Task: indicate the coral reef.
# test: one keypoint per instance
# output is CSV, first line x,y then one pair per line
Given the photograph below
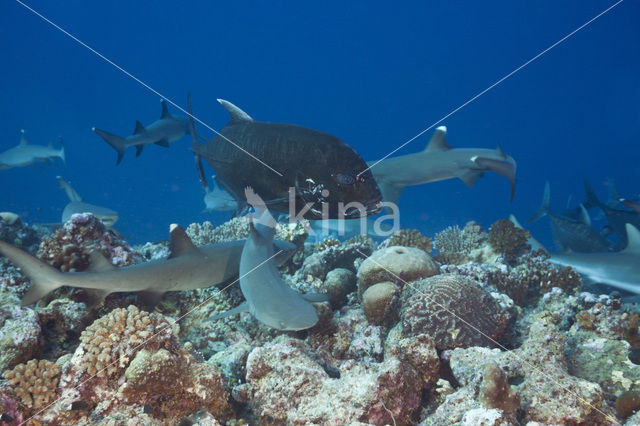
x,y
506,238
35,382
238,229
409,238
395,264
69,249
495,391
326,243
454,310
338,283
381,303
14,231
455,245
19,336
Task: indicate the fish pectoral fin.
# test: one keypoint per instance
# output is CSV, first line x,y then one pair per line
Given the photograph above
x,y
180,242
469,176
99,263
93,297
150,297
163,143
315,297
243,307
139,149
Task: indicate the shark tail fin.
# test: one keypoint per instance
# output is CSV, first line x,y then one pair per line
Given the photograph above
x,y
544,207
591,200
61,153
118,143
44,278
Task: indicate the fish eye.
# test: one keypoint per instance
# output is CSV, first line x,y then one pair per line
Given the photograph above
x,y
345,179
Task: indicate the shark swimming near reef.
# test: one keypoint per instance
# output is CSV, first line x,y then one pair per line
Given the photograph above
x,y
620,270
439,161
188,267
217,199
26,154
76,205
268,298
570,234
168,128
293,168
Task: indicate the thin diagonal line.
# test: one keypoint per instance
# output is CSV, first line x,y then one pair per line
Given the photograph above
x,y
493,85
132,350
142,83
522,360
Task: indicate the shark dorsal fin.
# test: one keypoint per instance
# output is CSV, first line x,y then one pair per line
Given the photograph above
x,y
165,110
23,140
633,239
180,242
68,189
236,113
99,263
500,151
584,216
438,141
139,128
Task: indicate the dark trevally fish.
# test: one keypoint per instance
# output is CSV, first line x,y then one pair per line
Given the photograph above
x,y
439,161
169,128
571,234
616,218
187,268
76,205
26,154
323,172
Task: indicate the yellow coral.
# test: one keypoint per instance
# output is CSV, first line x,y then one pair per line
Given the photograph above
x,y
410,238
326,243
113,340
35,382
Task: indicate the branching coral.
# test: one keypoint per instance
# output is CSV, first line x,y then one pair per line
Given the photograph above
x,y
455,245
113,340
410,238
506,238
238,229
326,243
35,382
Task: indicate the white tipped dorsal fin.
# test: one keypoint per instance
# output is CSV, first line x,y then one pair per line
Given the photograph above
x,y
633,239
235,112
23,140
99,263
438,141
165,110
180,242
584,215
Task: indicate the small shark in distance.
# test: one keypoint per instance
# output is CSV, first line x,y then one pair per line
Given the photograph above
x,y
268,298
26,154
218,199
616,269
76,205
439,161
188,267
616,218
168,128
570,234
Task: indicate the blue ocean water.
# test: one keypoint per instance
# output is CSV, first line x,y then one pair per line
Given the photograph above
x,y
371,73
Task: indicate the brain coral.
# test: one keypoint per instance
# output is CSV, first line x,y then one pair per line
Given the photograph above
x,y
113,340
35,382
453,310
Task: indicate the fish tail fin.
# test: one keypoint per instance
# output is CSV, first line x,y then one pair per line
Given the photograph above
x,y
591,200
61,153
44,278
192,126
117,142
544,207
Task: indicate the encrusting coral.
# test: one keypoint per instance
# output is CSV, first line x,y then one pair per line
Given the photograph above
x,y
35,382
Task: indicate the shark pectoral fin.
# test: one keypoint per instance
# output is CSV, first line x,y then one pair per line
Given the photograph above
x,y
315,297
633,239
180,242
438,141
469,176
95,296
149,297
163,143
99,263
139,149
139,128
390,192
243,307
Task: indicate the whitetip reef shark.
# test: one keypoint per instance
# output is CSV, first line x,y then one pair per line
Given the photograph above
x,y
571,234
268,298
26,154
439,161
76,205
187,268
616,269
168,128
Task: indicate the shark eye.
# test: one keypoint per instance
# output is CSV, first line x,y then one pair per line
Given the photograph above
x,y
345,179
